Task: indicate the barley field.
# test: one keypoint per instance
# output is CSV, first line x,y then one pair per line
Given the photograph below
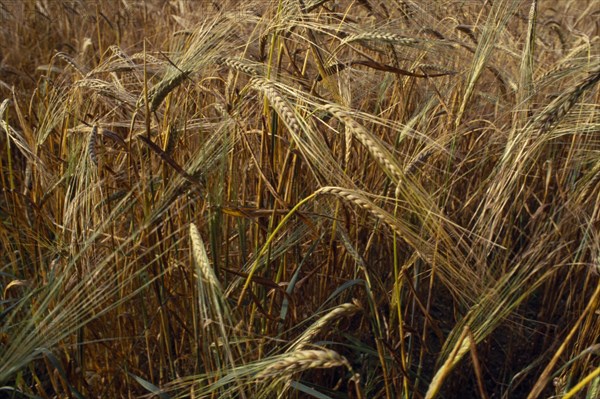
x,y
300,199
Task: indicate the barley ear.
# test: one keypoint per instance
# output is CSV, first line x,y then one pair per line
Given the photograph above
x,y
201,258
343,310
172,138
159,92
302,360
558,108
92,145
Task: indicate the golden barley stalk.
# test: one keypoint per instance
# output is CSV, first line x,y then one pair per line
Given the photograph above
x,y
349,196
239,65
385,37
147,58
348,146
344,310
303,360
201,258
72,63
359,200
375,147
278,102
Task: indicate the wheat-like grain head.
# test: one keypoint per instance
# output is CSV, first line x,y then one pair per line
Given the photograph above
x,y
303,360
201,258
92,145
343,310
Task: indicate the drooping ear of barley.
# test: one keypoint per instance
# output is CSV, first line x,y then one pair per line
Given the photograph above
x,y
216,317
201,258
172,138
158,93
388,37
302,360
203,49
16,137
458,276
107,89
240,64
558,108
80,70
92,145
377,149
344,310
279,103
310,142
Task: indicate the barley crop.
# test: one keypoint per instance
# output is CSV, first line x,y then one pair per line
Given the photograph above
x,y
293,198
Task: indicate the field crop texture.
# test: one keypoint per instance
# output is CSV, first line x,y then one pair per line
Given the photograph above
x,y
300,199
